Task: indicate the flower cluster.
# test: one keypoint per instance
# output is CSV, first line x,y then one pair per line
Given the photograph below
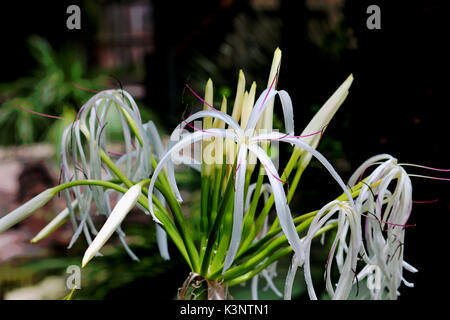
x,y
236,242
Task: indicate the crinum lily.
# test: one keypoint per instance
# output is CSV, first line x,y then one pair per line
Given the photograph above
x,y
386,219
247,140
236,243
347,217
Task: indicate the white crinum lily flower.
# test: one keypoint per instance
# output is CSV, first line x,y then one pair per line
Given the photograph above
x,y
142,141
385,223
90,123
247,141
161,235
270,272
346,212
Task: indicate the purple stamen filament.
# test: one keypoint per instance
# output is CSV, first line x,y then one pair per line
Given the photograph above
x,y
424,167
291,137
88,90
200,98
390,223
427,201
273,175
429,177
193,127
84,89
239,165
270,88
41,114
119,154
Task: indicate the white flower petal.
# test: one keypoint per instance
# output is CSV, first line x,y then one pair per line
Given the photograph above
x,y
155,139
281,205
316,154
161,235
122,208
260,105
255,287
290,279
288,112
238,213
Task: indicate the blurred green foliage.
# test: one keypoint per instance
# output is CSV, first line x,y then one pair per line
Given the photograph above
x,y
48,89
115,275
59,85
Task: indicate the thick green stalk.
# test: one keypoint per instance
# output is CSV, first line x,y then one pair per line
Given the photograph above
x,y
224,238
107,160
204,214
179,223
258,245
224,205
249,217
216,193
131,124
257,225
258,258
274,257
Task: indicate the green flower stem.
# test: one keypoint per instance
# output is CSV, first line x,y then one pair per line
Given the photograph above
x,y
248,178
216,193
258,258
160,211
163,185
205,188
258,245
224,238
131,124
225,228
107,160
225,204
204,214
354,191
211,207
293,186
274,257
180,224
258,224
249,217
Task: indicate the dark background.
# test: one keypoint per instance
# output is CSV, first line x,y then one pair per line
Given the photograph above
x,y
396,104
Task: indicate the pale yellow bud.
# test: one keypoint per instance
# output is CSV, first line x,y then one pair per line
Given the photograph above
x,y
207,121
236,114
223,108
323,117
267,117
247,106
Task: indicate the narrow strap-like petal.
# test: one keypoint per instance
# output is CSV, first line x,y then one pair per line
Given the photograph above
x,y
282,137
281,205
288,111
238,213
